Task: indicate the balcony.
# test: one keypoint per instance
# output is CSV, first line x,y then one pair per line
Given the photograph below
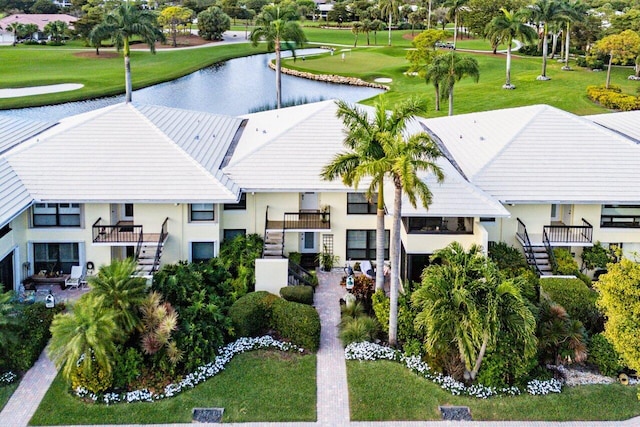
x,y
570,235
123,233
315,220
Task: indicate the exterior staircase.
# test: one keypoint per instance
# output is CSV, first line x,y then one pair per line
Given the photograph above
x,y
273,244
538,258
147,258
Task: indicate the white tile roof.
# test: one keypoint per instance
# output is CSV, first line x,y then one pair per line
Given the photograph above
x,y
541,154
14,196
14,130
119,154
285,150
455,196
626,123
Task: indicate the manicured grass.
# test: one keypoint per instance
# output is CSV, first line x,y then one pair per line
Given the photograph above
x,y
565,90
25,66
6,392
255,386
384,390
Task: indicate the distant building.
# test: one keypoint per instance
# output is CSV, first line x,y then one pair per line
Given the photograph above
x,y
40,19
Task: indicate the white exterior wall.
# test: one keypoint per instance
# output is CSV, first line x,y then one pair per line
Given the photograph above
x,y
271,275
428,243
535,217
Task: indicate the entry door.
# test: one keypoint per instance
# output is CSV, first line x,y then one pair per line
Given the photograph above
x,y
561,214
309,202
308,242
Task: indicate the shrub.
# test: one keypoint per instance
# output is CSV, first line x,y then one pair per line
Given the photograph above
x,y
295,257
238,257
212,23
613,98
296,322
409,338
127,367
96,381
566,265
530,50
577,299
596,257
250,314
358,329
604,356
301,294
504,366
509,260
33,335
363,289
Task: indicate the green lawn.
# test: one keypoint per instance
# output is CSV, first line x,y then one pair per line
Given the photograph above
x,y
565,90
400,394
255,386
24,66
6,392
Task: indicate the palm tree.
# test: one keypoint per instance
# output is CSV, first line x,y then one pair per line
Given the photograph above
x,y
434,73
407,160
390,9
464,306
117,288
450,68
356,28
84,339
575,11
365,135
546,12
506,27
276,26
124,22
15,28
455,7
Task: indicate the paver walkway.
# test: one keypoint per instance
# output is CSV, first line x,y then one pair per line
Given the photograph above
x,y
332,390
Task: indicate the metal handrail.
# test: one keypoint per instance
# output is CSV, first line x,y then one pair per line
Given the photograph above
x,y
549,249
570,233
308,220
528,249
266,222
299,273
163,236
119,233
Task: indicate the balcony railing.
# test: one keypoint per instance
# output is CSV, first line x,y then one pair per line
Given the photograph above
x,y
581,234
307,220
124,232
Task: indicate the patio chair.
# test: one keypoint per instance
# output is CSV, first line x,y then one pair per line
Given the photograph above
x,y
367,269
75,278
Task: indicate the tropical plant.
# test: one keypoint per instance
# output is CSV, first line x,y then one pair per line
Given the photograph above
x,y
358,329
424,50
159,321
464,307
15,28
365,134
455,7
560,338
619,292
356,28
575,11
123,23
507,27
389,8
172,17
546,13
408,161
238,256
212,23
596,257
115,287
620,48
56,30
9,323
448,69
83,341
276,26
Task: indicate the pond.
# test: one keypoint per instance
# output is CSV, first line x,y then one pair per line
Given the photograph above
x,y
234,87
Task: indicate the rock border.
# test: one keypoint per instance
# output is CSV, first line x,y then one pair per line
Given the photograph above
x,y
330,78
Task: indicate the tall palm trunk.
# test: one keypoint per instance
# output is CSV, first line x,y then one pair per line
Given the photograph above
x,y
127,71
609,69
451,100
437,86
545,50
389,28
429,17
566,47
380,238
554,44
455,30
508,84
278,77
395,265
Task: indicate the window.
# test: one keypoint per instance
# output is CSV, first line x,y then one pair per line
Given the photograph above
x,y
357,203
620,216
432,225
202,212
202,251
56,215
240,206
55,257
487,219
361,244
5,230
232,233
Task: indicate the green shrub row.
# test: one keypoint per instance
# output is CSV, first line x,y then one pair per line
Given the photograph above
x,y
33,335
302,294
613,98
604,356
257,312
577,299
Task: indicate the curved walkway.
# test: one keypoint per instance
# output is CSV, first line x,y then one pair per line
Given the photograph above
x,y
332,389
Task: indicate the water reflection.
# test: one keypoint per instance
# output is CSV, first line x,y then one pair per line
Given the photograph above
x,y
233,87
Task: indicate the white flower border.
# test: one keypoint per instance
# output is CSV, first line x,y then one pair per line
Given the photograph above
x,y
370,351
7,378
202,373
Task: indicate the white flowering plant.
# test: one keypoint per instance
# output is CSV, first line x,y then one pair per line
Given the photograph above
x,y
202,373
7,378
370,352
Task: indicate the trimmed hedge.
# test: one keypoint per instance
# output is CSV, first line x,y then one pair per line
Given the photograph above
x,y
302,294
250,314
613,98
257,312
297,322
577,299
604,356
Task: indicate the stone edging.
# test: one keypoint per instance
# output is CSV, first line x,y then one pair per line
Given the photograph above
x,y
330,78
